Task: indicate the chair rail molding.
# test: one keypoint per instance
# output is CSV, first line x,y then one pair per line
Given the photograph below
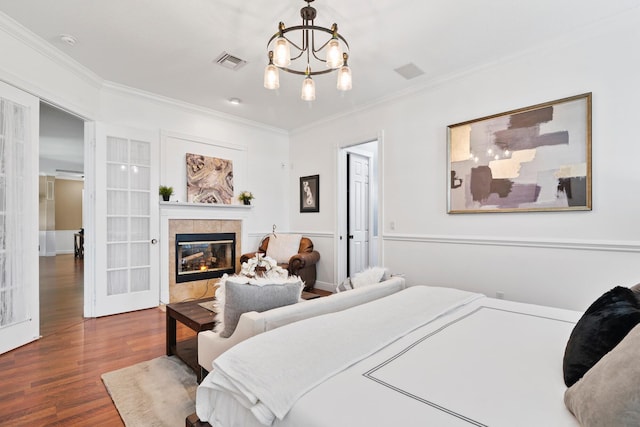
x,y
573,244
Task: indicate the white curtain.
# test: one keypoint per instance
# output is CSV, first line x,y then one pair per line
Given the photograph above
x,y
13,134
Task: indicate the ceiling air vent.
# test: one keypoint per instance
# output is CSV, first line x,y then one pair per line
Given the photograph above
x,y
409,71
229,61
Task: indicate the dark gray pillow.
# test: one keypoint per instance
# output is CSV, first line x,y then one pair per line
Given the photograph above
x,y
609,393
242,298
600,329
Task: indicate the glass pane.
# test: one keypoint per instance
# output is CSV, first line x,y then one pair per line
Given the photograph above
x,y
139,254
2,194
18,156
117,255
140,203
2,153
3,232
3,106
3,270
117,150
117,282
140,229
117,202
140,153
117,229
140,177
140,279
19,123
117,176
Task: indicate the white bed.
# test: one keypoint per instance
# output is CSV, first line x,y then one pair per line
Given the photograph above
x,y
424,356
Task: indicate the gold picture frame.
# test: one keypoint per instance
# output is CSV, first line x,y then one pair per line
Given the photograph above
x,y
536,158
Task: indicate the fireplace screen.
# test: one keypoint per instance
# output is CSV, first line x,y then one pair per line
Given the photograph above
x,y
204,256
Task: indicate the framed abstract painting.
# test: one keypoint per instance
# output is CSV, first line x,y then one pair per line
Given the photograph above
x,y
209,179
536,158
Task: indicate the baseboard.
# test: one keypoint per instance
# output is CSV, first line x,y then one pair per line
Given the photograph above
x,y
330,287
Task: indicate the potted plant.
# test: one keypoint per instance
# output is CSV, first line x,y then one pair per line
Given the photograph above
x,y
166,192
246,197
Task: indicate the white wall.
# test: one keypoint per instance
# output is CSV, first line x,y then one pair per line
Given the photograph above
x,y
260,167
562,259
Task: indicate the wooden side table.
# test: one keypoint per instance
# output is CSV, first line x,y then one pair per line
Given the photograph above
x,y
196,318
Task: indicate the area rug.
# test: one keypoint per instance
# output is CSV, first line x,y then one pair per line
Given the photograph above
x,y
159,392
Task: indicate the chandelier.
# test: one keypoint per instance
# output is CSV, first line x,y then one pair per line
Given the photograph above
x,y
309,48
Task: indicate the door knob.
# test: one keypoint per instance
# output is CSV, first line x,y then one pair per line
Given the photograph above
x,y
351,236
154,241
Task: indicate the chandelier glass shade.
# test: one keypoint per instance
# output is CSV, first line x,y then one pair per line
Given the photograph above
x,y
316,50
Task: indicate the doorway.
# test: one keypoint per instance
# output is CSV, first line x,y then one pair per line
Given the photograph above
x,y
61,182
358,205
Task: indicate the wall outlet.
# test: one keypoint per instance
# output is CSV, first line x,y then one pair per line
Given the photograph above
x,y
500,295
392,225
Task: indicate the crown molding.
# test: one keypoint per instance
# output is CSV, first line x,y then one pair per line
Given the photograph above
x,y
37,43
164,100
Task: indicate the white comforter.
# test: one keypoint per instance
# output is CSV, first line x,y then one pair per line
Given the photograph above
x,y
265,374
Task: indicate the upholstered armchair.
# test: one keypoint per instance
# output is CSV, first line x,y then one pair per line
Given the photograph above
x,y
302,263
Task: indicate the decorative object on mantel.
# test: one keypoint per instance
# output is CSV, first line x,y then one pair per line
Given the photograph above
x,y
165,192
263,266
209,179
536,158
279,53
246,197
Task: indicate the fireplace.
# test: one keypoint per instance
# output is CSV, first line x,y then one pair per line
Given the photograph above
x,y
204,256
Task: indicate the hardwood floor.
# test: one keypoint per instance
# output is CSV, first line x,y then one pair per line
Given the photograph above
x,y
61,292
55,381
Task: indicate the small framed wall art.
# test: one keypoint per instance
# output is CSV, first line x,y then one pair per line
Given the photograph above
x,y
310,193
536,158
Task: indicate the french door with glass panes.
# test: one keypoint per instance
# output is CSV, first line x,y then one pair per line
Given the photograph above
x,y
126,220
19,296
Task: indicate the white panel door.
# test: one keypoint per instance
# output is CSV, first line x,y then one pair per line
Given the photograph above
x,y
126,220
358,213
19,296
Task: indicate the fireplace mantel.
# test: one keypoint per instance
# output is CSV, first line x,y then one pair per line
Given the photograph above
x,y
164,205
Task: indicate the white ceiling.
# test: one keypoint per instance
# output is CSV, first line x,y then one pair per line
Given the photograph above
x,y
168,47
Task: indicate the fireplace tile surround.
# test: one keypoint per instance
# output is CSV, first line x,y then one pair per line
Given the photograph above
x,y
191,219
197,288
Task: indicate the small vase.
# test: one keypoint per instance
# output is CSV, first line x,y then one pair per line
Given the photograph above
x,y
246,201
166,197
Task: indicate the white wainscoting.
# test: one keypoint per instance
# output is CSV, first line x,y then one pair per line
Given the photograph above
x,y
561,273
47,242
64,241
